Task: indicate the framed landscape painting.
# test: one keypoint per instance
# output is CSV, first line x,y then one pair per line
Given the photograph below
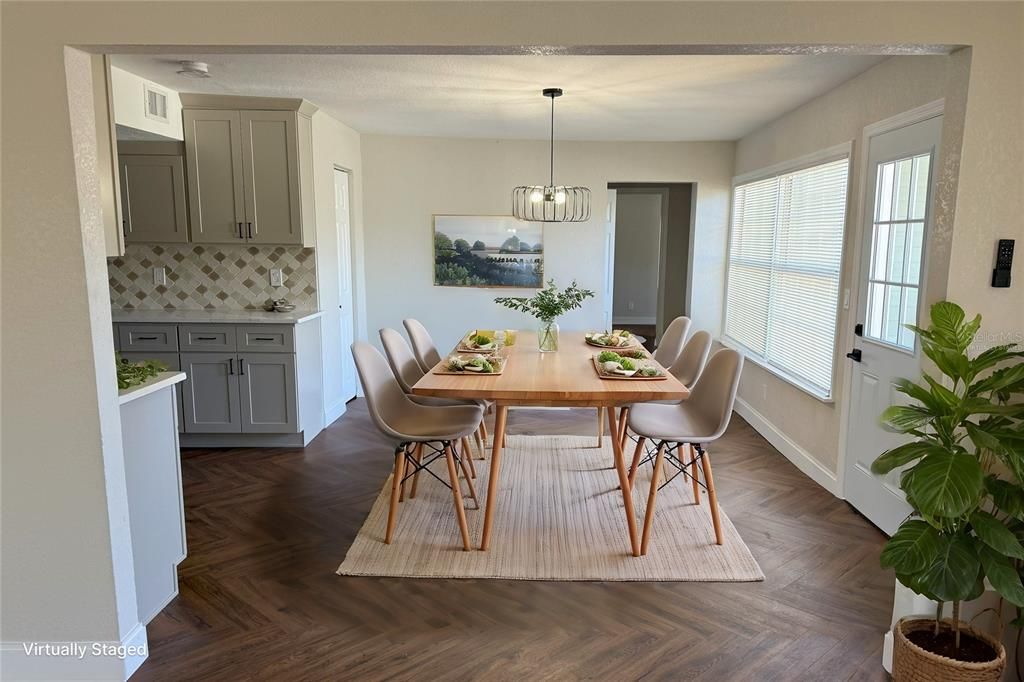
x,y
487,251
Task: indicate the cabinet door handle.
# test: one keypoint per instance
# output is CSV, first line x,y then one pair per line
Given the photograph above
x,y
206,338
146,338
241,235
231,365
248,227
241,366
262,338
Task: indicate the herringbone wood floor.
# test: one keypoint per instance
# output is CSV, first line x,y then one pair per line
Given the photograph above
x,y
267,528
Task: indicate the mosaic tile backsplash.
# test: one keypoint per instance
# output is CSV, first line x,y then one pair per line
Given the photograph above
x,y
224,277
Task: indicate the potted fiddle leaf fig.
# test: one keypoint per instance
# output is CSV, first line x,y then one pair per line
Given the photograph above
x,y
962,473
547,305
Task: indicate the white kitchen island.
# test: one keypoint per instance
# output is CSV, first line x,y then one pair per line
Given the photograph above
x,y
149,434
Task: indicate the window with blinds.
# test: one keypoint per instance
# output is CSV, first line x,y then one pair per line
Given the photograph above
x,y
785,251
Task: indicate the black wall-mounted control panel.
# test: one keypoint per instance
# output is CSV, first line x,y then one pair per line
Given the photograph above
x,y
1004,262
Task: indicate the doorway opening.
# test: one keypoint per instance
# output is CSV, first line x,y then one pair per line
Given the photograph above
x,y
650,238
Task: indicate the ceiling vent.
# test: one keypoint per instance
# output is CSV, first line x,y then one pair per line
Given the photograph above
x,y
156,103
191,69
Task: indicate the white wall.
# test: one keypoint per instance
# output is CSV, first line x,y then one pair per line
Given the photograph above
x,y
892,87
336,145
130,105
409,179
637,249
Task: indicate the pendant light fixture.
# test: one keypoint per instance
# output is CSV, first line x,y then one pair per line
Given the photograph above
x,y
551,203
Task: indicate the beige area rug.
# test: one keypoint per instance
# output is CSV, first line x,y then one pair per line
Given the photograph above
x,y
559,517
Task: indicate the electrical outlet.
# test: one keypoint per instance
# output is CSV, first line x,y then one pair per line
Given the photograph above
x,y
276,277
159,276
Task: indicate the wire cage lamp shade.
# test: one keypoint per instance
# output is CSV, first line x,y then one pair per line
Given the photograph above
x,y
551,203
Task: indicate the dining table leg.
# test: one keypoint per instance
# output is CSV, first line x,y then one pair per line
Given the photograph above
x,y
627,489
500,415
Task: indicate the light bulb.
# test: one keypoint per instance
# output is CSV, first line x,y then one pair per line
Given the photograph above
x,y
560,197
536,196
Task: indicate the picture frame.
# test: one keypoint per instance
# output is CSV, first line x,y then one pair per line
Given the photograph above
x,y
487,251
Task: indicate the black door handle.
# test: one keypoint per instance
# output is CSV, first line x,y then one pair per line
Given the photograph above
x,y
248,227
241,235
231,365
241,366
854,355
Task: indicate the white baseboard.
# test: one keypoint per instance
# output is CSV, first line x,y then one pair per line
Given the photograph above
x,y
793,452
96,660
634,320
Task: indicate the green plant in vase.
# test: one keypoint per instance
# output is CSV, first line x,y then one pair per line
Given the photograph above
x,y
547,305
962,474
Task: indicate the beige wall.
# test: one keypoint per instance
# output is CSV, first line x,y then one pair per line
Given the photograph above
x,y
130,105
56,498
409,179
894,86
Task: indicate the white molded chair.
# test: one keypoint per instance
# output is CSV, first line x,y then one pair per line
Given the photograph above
x,y
414,427
422,344
688,427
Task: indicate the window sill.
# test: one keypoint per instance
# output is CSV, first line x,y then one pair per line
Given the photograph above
x,y
776,372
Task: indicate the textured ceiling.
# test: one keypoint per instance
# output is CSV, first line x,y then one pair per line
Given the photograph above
x,y
662,98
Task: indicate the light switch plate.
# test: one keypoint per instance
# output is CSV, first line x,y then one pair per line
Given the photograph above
x,y
159,276
276,277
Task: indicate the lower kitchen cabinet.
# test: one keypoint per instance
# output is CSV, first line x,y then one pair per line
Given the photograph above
x,y
267,387
248,384
210,392
171,361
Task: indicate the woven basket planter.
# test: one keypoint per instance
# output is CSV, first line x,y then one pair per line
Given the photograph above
x,y
911,663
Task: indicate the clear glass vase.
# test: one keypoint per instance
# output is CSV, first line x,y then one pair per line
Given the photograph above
x,y
547,336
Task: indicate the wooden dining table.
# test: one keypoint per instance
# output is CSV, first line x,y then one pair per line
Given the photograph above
x,y
563,378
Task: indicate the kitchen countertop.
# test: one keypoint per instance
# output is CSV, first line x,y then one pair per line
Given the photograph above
x,y
214,316
161,380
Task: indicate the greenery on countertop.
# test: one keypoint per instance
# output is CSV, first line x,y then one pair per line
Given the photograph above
x,y
549,303
134,373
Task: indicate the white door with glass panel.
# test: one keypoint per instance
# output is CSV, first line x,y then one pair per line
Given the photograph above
x,y
897,219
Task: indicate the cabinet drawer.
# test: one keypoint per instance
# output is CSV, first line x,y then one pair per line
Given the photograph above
x,y
214,337
147,337
266,338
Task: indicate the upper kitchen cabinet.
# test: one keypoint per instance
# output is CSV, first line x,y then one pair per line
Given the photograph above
x,y
250,169
153,192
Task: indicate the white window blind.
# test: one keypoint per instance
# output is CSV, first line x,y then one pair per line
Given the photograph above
x,y
785,251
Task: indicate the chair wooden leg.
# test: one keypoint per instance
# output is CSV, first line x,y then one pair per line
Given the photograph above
x,y
418,456
479,443
600,427
709,481
467,455
694,473
469,481
396,485
637,453
460,511
651,497
627,492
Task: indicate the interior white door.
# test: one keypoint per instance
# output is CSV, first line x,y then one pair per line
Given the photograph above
x,y
346,299
609,254
897,218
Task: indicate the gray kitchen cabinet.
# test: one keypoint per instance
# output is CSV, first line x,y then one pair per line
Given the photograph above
x,y
250,169
268,397
153,197
213,150
270,165
210,393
